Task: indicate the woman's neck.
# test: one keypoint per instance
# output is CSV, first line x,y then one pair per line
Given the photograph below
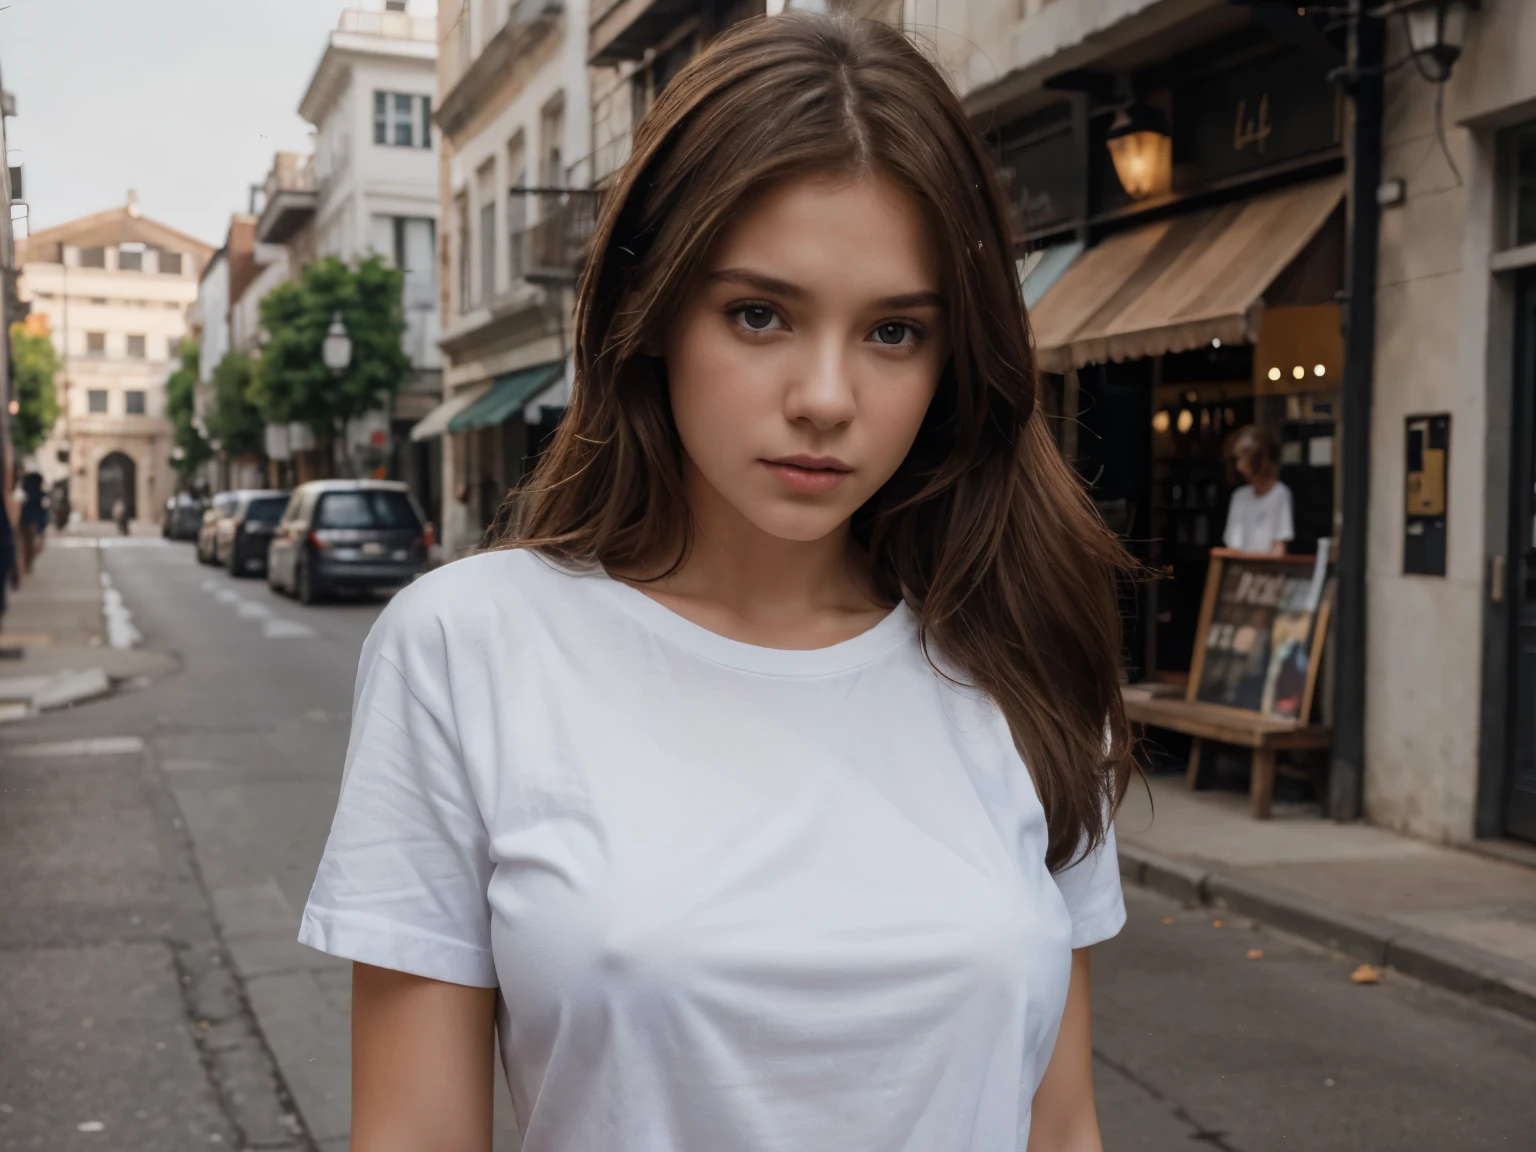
x,y
1263,482
751,585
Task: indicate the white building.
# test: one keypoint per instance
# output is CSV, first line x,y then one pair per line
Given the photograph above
x,y
515,116
115,287
371,188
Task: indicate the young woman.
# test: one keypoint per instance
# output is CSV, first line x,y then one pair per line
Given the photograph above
x,y
756,793
1259,518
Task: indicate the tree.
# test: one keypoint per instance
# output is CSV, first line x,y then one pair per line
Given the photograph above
x,y
236,422
181,410
34,363
293,384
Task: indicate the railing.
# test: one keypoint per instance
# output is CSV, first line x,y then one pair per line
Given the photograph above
x,y
554,248
390,25
291,172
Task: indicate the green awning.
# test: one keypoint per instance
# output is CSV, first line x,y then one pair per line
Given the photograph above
x,y
507,396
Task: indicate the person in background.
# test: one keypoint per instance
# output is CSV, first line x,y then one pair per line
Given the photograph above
x,y
33,519
120,517
10,575
1259,519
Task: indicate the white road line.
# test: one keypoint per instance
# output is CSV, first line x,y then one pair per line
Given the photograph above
x,y
252,610
120,630
62,749
280,629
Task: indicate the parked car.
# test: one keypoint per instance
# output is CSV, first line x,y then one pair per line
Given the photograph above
x,y
242,537
183,517
219,508
347,534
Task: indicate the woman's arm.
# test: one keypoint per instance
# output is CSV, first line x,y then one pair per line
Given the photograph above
x,y
422,1063
1063,1118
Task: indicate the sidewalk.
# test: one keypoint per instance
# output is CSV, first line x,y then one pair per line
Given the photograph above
x,y
71,647
1443,915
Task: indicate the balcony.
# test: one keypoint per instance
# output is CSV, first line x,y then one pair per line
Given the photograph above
x,y
465,78
389,25
625,29
288,200
554,250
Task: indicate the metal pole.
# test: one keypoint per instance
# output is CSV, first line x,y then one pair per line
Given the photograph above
x,y
1367,36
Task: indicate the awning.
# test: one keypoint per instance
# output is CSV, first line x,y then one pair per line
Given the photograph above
x,y
1180,283
435,422
1043,267
507,396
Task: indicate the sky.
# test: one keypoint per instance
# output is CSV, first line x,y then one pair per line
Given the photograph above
x,y
183,100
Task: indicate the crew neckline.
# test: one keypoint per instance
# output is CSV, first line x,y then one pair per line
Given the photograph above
x,y
874,642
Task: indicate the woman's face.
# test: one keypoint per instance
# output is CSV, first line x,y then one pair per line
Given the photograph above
x,y
804,358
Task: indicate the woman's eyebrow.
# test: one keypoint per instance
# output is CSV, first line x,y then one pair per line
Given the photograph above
x,y
773,285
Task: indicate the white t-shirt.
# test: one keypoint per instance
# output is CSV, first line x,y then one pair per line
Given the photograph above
x,y
733,897
1255,522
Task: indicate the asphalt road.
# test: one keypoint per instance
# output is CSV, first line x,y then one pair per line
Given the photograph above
x,y
171,881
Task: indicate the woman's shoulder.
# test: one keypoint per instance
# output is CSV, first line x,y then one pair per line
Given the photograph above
x,y
464,604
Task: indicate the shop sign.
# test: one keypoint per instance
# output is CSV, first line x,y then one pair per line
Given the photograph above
x,y
1252,116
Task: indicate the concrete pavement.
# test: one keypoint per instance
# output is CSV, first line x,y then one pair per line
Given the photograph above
x,y
166,837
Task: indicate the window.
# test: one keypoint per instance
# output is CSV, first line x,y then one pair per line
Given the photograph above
x,y
95,343
170,263
517,204
93,257
130,257
96,400
1525,185
367,509
134,403
462,212
551,139
485,185
401,120
136,347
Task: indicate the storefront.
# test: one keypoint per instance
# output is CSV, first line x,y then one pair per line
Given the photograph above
x,y
1184,267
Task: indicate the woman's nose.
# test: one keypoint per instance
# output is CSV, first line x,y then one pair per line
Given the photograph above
x,y
822,391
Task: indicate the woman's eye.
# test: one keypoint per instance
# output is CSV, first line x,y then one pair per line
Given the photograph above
x,y
893,332
757,317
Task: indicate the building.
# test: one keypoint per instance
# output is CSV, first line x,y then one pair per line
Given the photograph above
x,y
514,114
115,287
371,188
10,308
224,282
1451,687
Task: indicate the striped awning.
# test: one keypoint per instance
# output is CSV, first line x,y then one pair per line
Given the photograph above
x,y
508,396
1179,283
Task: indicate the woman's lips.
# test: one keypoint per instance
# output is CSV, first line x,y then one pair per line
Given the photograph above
x,y
807,475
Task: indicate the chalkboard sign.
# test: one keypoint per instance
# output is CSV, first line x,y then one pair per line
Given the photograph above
x,y
1261,631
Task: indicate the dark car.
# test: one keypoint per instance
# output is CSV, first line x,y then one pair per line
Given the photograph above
x,y
241,540
219,509
183,517
357,535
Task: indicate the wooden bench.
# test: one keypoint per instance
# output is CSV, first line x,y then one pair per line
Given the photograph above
x,y
1265,735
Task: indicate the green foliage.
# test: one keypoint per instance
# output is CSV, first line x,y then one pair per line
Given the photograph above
x,y
34,362
236,422
181,409
293,384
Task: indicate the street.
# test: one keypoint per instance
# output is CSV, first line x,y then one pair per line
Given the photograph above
x,y
152,995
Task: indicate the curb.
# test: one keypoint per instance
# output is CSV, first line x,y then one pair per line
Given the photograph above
x,y
1459,968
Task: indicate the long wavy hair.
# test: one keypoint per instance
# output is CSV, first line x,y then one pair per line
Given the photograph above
x,y
984,530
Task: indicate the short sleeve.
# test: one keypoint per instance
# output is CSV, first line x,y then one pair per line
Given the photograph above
x,y
1232,534
1285,528
1091,888
404,878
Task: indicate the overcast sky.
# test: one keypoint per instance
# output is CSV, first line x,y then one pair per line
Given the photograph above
x,y
183,100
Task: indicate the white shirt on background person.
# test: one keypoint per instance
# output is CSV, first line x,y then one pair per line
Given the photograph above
x,y
733,897
1255,523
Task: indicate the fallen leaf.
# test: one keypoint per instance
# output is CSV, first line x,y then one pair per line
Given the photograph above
x,y
1167,919
1215,923
1366,974
1255,953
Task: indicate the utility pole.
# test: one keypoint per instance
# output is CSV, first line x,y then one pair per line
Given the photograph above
x,y
1364,75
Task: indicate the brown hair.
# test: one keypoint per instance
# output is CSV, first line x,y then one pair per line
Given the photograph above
x,y
1256,445
983,530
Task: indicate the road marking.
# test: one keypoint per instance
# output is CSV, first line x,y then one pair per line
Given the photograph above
x,y
185,765
94,746
120,630
252,610
280,629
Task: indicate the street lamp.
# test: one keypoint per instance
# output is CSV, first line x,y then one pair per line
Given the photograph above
x,y
1436,31
1142,150
337,349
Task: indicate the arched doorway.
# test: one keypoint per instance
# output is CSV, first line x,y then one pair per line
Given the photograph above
x,y
116,479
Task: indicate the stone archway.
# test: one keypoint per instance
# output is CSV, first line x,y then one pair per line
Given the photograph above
x,y
116,479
